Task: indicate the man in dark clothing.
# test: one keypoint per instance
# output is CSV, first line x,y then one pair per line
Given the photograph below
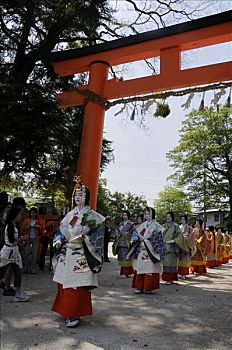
x,y
3,205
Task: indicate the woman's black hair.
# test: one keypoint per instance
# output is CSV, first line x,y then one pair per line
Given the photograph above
x,y
35,210
87,196
171,214
3,200
185,217
152,211
19,202
13,212
141,216
211,229
127,212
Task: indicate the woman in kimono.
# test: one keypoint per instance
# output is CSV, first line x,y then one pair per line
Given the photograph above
x,y
148,251
198,261
226,255
230,245
79,250
121,244
211,258
33,228
171,235
220,246
189,248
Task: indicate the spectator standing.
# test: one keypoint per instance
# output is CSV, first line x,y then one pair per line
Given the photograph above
x,y
3,213
10,254
47,239
32,228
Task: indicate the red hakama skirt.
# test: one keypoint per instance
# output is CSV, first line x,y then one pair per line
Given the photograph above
x,y
169,276
183,271
73,303
146,282
198,269
126,271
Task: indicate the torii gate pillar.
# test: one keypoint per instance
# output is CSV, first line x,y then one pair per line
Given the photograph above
x,y
92,133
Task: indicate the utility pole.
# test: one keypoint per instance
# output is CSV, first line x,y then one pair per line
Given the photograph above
x,y
205,193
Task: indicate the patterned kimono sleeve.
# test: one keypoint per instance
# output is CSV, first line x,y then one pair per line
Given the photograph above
x,y
181,247
96,238
134,250
157,243
93,245
178,232
117,231
58,238
135,235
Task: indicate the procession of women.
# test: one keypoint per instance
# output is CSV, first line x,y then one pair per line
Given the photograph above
x,y
148,252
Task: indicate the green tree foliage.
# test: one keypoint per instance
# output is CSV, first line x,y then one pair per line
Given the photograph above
x,y
203,158
126,201
60,200
36,137
112,204
172,199
104,198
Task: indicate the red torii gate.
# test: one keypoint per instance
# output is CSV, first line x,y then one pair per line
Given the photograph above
x,y
167,43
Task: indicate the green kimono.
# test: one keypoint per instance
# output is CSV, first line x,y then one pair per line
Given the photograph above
x,y
171,235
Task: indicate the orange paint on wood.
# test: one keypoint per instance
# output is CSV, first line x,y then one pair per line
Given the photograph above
x,y
213,35
167,81
170,61
170,79
92,134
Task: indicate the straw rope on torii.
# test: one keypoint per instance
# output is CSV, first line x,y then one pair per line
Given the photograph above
x,y
92,96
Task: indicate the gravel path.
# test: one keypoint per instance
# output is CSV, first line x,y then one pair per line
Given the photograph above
x,y
195,314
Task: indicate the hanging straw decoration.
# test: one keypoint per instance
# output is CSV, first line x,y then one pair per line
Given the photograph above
x,y
202,104
132,117
187,104
217,96
228,101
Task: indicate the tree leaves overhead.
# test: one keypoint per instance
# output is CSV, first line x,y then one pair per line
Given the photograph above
x,y
36,137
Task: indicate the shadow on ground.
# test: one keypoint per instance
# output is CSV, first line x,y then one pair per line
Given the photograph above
x,y
195,314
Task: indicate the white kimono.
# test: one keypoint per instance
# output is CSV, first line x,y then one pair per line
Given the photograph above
x,y
72,269
143,263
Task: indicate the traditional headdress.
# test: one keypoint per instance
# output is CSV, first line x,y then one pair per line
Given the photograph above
x,y
79,186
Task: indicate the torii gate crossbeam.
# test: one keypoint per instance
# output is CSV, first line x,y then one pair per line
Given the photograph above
x,y
167,43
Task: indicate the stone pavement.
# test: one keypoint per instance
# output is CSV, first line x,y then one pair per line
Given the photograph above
x,y
195,314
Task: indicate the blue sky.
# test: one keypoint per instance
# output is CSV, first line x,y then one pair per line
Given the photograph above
x,y
140,163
